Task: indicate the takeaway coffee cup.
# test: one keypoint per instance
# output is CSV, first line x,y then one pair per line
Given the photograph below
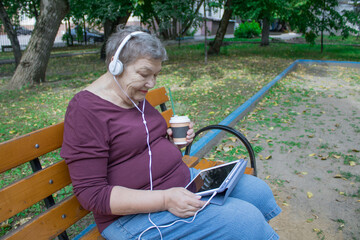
x,y
179,126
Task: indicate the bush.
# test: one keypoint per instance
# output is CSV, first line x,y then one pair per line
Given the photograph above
x,y
310,37
248,30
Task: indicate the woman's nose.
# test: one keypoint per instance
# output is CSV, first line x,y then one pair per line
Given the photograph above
x,y
150,83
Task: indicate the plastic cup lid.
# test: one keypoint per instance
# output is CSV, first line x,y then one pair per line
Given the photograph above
x,y
179,119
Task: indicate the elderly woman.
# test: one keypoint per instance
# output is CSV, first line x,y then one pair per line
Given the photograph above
x,y
124,166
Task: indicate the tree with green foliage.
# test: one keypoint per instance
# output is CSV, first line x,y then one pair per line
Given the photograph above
x,y
11,33
108,13
171,18
265,11
10,12
353,17
317,17
33,64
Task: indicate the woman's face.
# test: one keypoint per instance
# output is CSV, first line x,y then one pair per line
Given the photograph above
x,y
138,77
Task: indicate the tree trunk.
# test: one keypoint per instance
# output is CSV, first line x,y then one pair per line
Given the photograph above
x,y
33,64
322,26
322,40
85,33
188,24
265,32
221,31
109,28
205,29
163,32
11,33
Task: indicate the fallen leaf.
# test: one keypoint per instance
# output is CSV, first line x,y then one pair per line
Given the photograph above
x,y
5,224
227,148
211,112
338,176
233,139
219,148
316,230
336,156
352,163
304,173
309,220
312,154
267,177
342,193
309,194
268,157
241,157
355,150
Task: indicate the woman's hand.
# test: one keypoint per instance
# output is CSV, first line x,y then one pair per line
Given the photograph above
x,y
189,135
181,202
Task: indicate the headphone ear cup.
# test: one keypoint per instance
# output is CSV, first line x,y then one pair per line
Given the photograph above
x,y
116,67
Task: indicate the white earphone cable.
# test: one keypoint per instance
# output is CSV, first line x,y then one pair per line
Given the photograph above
x,y
148,144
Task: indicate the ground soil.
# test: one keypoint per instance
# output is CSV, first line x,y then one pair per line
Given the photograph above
x,y
306,133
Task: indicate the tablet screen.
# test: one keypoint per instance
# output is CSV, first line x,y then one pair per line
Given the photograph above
x,y
209,179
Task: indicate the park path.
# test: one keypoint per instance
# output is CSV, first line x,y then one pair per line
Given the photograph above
x,y
306,135
308,128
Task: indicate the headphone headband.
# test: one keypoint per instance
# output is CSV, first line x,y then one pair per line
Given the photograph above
x,y
116,66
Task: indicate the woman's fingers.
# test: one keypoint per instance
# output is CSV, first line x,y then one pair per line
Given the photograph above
x,y
182,202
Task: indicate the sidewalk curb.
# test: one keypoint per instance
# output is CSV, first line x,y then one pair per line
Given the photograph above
x,y
9,61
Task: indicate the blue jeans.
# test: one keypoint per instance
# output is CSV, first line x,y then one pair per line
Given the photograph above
x,y
244,215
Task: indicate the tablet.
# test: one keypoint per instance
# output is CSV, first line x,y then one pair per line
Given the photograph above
x,y
213,179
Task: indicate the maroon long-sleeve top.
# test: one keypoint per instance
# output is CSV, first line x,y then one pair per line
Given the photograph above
x,y
105,146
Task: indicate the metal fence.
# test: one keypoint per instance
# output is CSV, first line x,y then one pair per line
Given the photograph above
x,y
24,33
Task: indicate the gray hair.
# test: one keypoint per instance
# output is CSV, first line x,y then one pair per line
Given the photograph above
x,y
139,46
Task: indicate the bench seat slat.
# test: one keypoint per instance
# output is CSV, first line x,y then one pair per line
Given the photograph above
x,y
32,189
21,150
92,234
50,224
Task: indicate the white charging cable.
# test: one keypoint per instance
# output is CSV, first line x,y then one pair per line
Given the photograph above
x,y
180,220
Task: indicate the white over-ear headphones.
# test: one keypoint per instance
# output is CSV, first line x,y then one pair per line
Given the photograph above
x,y
116,67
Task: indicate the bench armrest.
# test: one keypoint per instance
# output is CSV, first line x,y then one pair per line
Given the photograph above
x,y
239,135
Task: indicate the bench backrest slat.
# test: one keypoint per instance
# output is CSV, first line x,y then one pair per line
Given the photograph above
x,y
55,221
157,96
167,115
23,149
32,189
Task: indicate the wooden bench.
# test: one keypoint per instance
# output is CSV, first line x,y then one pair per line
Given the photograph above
x,y
44,183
